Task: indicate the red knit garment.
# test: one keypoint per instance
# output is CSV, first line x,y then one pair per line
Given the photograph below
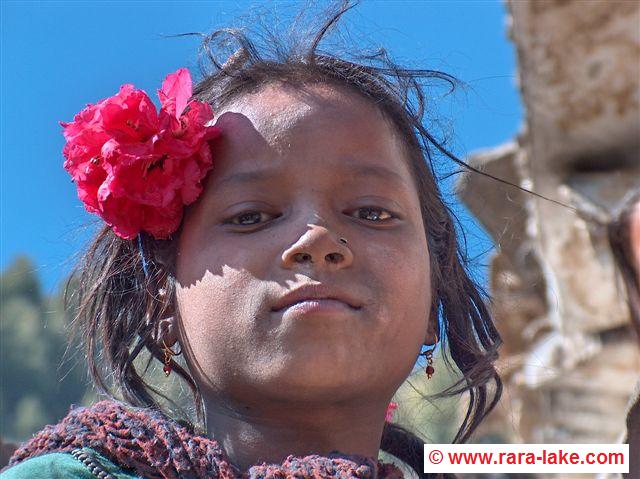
x,y
156,447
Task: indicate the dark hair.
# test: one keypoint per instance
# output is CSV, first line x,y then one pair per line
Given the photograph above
x,y
619,234
116,302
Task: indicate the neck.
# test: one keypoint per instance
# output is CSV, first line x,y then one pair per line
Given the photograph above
x,y
253,437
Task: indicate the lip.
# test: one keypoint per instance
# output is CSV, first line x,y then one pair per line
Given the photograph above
x,y
331,307
317,297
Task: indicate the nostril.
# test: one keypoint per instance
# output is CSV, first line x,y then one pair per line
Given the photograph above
x,y
334,257
302,257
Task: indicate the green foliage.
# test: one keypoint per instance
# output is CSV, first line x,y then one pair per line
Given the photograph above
x,y
37,387
38,382
20,281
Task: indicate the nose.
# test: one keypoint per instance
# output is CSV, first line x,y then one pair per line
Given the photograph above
x,y
318,246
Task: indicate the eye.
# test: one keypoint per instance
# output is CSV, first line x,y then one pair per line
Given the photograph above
x,y
375,214
248,218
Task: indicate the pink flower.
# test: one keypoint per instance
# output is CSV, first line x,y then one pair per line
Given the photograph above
x,y
390,408
136,167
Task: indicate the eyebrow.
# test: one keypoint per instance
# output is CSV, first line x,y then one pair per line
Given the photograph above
x,y
369,171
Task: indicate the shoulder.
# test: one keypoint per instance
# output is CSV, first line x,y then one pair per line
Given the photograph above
x,y
58,465
49,466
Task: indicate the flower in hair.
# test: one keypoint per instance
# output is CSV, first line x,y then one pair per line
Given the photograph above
x,y
135,167
390,409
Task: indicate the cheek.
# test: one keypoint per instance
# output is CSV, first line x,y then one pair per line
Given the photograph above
x,y
402,277
402,274
218,313
217,284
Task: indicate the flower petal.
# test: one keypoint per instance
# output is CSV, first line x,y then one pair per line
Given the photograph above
x,y
175,92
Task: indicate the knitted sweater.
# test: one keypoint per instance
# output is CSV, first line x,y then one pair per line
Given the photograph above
x,y
113,441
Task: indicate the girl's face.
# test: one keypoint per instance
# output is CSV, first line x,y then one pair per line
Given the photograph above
x,y
294,171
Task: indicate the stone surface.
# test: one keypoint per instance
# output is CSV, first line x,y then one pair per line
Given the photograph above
x,y
569,360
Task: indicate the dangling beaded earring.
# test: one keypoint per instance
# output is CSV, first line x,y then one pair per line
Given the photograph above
x,y
168,354
429,357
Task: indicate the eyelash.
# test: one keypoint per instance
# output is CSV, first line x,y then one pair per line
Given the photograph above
x,y
370,208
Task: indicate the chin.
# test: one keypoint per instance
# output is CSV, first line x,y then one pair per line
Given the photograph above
x,y
317,376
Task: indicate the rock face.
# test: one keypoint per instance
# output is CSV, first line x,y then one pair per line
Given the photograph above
x,y
570,358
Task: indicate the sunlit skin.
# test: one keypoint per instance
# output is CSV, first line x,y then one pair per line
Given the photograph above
x,y
277,385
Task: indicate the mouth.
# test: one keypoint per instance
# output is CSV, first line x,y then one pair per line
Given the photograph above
x,y
318,297
324,302
318,306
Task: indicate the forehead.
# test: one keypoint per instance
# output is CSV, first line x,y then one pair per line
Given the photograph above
x,y
278,108
316,125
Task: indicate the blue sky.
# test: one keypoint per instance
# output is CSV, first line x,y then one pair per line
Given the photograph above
x,y
59,56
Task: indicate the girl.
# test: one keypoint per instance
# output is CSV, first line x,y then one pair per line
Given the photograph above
x,y
296,252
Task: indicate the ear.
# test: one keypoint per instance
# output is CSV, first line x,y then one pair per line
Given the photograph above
x,y
166,331
432,335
